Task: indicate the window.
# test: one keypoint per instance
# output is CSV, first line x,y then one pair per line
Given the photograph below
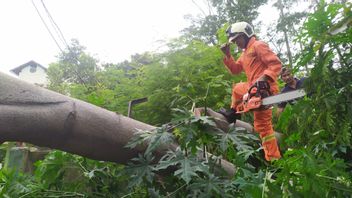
x,y
33,68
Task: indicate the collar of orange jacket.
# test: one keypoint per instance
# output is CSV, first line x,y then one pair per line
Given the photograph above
x,y
250,42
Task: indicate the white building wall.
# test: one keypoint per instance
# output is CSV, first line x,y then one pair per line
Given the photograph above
x,y
38,77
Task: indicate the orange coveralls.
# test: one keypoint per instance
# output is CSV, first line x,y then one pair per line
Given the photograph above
x,y
256,60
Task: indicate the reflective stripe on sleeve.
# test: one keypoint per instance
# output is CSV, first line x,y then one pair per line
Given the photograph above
x,y
268,138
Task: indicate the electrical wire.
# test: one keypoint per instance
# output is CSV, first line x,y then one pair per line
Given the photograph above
x,y
62,38
54,24
46,26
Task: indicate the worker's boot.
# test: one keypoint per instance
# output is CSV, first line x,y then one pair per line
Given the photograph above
x,y
230,115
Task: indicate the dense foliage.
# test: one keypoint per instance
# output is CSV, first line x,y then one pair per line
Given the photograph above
x,y
317,159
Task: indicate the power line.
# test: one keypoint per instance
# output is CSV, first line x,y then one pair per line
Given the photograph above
x,y
55,26
46,26
62,38
57,29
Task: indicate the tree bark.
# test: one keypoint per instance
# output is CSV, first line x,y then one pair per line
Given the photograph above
x,y
42,117
289,54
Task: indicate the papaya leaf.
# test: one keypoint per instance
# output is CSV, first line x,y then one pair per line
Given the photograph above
x,y
238,137
187,170
209,185
140,170
187,165
153,138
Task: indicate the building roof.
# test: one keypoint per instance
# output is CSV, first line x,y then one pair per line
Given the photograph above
x,y
18,69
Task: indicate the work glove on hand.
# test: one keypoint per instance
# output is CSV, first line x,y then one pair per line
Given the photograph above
x,y
262,83
264,88
225,48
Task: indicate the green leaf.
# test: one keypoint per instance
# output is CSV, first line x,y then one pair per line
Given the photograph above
x,y
140,170
187,170
153,138
239,137
187,165
210,185
205,120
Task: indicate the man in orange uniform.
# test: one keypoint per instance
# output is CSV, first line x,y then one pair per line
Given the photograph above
x,y
260,64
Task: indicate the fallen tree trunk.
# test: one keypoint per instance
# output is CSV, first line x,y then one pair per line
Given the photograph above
x,y
42,117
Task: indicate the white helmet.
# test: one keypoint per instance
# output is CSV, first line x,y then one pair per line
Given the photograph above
x,y
237,28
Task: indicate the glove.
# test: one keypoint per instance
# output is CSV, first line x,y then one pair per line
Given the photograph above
x,y
263,88
225,48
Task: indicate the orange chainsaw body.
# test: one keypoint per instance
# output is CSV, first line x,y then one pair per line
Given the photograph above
x,y
253,98
250,101
253,103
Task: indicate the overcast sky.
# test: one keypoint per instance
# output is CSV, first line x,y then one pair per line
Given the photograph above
x,y
112,30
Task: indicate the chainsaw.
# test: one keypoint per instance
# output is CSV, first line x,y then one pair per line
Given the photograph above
x,y
259,97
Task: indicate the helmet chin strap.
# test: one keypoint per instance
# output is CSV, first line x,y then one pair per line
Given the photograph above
x,y
246,38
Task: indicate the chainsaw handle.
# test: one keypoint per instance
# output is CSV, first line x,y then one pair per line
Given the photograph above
x,y
252,87
260,85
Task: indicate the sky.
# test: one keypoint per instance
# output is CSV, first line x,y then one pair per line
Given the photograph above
x,y
112,30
